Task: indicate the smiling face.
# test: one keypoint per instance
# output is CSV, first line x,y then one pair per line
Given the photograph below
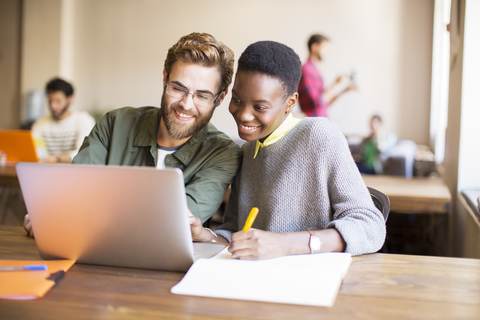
x,y
181,117
259,105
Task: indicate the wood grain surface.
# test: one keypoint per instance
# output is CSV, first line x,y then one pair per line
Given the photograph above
x,y
377,286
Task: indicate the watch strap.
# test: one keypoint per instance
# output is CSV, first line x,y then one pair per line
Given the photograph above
x,y
314,243
213,233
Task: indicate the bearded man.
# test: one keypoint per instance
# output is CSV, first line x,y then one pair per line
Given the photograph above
x,y
63,129
197,72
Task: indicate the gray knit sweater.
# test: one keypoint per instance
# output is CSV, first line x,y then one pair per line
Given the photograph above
x,y
307,179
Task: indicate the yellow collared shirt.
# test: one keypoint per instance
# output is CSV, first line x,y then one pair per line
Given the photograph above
x,y
276,135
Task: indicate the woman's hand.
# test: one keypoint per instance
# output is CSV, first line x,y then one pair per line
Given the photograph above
x,y
256,244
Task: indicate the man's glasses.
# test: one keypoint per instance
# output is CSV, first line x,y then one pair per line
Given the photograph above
x,y
200,99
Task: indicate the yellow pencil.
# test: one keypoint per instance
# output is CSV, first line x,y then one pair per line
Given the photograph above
x,y
250,219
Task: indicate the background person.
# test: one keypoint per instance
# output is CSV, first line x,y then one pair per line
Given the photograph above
x,y
63,129
314,97
375,149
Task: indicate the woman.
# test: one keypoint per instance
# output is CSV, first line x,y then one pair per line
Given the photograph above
x,y
299,173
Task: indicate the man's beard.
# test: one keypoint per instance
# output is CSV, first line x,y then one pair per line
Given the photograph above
x,y
178,130
319,56
60,114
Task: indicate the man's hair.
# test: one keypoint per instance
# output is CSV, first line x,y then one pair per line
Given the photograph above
x,y
376,116
273,59
57,84
205,50
316,38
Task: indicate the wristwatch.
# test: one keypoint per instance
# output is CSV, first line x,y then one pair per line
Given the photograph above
x,y
213,233
315,244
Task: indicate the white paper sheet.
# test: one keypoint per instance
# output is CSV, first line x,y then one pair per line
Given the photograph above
x,y
299,279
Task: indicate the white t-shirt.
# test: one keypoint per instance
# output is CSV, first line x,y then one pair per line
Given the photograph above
x,y
63,136
162,152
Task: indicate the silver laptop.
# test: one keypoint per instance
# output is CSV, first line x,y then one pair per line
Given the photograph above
x,y
111,215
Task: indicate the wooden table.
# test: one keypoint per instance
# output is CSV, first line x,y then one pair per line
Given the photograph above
x,y
8,176
416,195
377,286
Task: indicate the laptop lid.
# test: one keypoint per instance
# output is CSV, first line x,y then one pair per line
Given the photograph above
x,y
109,215
18,145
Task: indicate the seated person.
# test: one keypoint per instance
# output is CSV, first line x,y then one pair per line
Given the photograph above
x,y
375,148
299,173
198,70
63,130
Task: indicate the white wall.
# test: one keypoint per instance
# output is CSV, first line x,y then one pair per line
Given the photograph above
x,y
119,46
40,43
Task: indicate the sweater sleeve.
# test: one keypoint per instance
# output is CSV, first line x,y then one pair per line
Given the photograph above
x,y
360,223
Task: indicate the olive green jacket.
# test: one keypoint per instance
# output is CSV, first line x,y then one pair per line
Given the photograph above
x,y
128,136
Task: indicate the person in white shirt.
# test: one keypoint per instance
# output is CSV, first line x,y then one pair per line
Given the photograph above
x,y
63,130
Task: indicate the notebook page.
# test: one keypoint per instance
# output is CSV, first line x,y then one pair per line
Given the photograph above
x,y
298,279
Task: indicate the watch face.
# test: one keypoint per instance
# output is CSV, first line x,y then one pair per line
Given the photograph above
x,y
315,244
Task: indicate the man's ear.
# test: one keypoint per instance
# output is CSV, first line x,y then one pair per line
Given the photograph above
x,y
70,99
164,77
291,102
221,97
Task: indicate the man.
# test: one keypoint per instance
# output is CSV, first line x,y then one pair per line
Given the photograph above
x,y
314,98
197,72
62,130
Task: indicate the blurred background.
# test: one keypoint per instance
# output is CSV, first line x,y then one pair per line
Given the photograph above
x,y
416,62
113,51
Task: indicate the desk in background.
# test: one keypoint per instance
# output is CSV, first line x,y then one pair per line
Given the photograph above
x,y
428,200
377,286
416,195
12,206
8,176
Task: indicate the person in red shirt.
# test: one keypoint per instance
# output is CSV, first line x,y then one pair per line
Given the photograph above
x,y
314,98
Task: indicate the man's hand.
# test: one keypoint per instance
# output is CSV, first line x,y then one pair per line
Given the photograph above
x,y
27,225
199,233
257,245
51,159
65,158
196,227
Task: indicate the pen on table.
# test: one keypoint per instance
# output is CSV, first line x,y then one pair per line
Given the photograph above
x,y
25,268
250,219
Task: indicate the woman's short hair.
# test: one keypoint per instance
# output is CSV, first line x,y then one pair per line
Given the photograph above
x,y
274,59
